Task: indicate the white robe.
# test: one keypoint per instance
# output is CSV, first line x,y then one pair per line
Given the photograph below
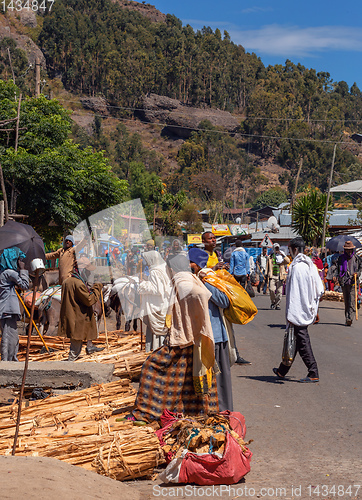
x,y
155,300
304,288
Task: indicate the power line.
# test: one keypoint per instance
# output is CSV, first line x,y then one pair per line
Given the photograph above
x,y
156,111
198,129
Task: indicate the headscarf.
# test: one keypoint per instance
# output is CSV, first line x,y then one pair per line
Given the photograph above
x,y
153,259
198,256
9,258
69,238
179,263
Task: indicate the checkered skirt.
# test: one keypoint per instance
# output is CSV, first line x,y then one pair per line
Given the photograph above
x,y
166,382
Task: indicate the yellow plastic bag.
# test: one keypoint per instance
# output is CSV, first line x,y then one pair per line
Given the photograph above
x,y
241,309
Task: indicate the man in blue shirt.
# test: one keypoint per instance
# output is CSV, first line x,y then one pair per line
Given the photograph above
x,y
239,264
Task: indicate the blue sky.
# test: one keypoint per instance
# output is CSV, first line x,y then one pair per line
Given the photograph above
x,y
326,36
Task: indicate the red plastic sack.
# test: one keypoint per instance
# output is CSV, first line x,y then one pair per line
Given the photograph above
x,y
210,469
207,469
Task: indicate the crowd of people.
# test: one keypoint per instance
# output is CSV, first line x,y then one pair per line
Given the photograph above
x,y
191,342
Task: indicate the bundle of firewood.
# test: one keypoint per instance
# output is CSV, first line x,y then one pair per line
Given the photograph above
x,y
200,435
123,351
80,428
335,296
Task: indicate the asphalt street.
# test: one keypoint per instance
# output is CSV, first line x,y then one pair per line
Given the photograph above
x,y
307,438
304,434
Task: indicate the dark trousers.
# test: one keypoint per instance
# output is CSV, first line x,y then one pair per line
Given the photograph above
x,y
305,351
223,379
349,297
263,282
241,280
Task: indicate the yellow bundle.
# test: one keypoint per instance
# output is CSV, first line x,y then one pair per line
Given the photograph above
x,y
241,309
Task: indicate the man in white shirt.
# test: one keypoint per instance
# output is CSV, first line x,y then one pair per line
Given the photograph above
x,y
304,288
261,262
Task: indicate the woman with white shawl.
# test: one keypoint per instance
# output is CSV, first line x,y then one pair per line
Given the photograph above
x,y
155,299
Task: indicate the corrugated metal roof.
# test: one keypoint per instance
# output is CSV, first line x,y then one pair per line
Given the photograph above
x,y
349,187
285,233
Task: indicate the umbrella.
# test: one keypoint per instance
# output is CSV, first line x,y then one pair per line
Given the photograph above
x,y
15,234
337,242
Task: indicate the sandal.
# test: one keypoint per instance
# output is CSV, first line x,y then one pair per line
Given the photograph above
x,y
131,418
280,377
308,380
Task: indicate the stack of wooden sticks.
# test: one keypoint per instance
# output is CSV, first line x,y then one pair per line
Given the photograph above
x,y
124,351
80,428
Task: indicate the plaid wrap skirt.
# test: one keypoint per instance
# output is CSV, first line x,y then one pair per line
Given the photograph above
x,y
166,382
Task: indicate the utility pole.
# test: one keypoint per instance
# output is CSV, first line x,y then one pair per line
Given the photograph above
x,y
11,65
2,212
296,185
37,77
13,194
2,184
328,195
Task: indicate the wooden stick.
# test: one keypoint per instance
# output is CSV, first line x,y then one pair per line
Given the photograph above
x,y
36,281
104,319
356,295
28,313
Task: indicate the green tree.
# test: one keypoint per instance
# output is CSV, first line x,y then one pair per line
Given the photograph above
x,y
58,181
308,215
272,197
191,217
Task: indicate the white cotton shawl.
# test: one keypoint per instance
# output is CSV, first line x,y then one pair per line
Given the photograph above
x,y
304,288
155,293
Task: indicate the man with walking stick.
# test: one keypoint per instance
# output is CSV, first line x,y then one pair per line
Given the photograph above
x,y
349,267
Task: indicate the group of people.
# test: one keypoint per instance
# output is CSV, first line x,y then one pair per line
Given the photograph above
x,y
191,343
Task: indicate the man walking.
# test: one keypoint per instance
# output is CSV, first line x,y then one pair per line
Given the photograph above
x,y
239,264
304,288
349,267
77,320
261,262
276,274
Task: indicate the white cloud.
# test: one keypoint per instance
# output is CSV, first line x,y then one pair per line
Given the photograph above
x,y
291,41
256,10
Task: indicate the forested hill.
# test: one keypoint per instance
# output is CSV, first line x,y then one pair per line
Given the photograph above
x,y
123,50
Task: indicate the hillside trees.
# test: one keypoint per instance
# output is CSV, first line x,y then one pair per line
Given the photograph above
x,y
102,48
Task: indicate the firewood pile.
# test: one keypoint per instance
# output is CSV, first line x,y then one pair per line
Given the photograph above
x,y
335,296
205,434
124,352
79,428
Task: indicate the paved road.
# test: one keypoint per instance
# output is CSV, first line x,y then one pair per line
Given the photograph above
x,y
304,435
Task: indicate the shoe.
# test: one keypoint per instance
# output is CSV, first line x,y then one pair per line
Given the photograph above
x,y
348,322
272,306
242,361
131,418
308,380
72,358
281,377
91,350
277,308
258,288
